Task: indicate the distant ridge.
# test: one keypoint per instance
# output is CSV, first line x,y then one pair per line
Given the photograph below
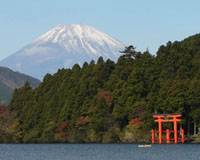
x,y
62,47
9,80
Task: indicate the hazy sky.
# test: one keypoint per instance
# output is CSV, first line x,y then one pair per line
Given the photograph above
x,y
142,23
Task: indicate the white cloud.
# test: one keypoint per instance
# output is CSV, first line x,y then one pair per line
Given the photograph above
x,y
68,63
39,61
18,66
36,50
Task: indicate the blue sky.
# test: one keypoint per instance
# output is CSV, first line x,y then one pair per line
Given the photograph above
x,y
142,23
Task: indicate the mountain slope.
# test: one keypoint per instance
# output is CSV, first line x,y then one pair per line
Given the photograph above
x,y
62,47
5,94
111,102
10,80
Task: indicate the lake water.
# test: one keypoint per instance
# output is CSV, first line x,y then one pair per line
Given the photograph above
x,y
98,152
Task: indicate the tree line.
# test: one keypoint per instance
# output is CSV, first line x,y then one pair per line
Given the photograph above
x,y
107,101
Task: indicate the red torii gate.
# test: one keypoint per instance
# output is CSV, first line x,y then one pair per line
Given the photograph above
x,y
167,118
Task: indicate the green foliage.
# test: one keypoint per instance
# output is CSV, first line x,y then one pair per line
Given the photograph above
x,y
99,102
9,80
5,94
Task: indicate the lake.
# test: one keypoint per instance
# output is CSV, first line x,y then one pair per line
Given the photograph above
x,y
98,152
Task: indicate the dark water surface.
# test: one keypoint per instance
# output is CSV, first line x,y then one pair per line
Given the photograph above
x,y
98,152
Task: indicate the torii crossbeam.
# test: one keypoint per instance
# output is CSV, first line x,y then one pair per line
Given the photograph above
x,y
167,118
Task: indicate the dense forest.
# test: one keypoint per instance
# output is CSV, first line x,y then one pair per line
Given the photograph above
x,y
9,80
107,101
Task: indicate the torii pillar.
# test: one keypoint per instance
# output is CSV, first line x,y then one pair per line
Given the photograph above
x,y
167,118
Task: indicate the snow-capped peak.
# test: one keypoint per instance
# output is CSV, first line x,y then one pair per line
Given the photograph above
x,y
62,47
71,36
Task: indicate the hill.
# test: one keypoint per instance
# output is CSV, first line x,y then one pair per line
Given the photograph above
x,y
62,47
108,101
9,80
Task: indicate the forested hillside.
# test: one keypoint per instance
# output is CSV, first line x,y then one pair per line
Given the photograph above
x,y
107,101
9,80
5,94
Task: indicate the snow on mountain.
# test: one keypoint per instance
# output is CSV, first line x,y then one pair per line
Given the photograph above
x,y
62,47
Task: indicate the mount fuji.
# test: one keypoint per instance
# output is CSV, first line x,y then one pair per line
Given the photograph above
x,y
62,47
